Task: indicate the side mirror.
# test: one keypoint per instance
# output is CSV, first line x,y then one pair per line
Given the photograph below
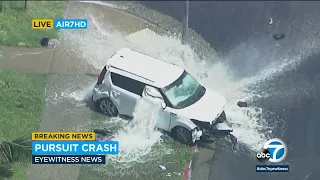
x,y
163,104
153,92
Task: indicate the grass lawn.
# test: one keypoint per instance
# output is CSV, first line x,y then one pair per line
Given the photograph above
x,y
22,94
175,163
21,97
15,22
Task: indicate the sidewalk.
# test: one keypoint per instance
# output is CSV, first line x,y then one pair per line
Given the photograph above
x,y
201,164
64,115
37,60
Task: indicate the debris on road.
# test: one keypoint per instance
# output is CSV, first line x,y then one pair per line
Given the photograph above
x,y
270,21
101,134
50,43
279,36
242,104
19,105
22,44
163,168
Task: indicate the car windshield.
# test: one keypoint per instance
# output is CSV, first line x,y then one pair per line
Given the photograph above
x,y
183,92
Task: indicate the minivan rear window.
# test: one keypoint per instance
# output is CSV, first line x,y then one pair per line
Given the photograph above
x,y
127,84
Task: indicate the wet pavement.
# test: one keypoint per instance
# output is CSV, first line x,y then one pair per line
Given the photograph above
x,y
62,113
36,60
240,34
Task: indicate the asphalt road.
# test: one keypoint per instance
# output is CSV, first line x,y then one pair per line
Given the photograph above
x,y
235,29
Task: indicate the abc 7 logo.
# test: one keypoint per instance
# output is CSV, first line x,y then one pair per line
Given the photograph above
x,y
264,155
274,150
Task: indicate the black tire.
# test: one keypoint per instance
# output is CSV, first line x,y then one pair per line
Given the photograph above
x,y
183,135
106,106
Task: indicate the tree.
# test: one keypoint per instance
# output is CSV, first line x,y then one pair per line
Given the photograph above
x,y
18,150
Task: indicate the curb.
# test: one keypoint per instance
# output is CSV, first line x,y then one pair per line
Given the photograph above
x,y
188,170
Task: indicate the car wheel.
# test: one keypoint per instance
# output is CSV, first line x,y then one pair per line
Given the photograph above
x,y
183,135
107,107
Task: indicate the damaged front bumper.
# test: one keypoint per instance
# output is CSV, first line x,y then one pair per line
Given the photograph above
x,y
218,129
223,127
218,126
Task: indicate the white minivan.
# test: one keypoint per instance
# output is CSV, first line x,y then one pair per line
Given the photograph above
x,y
189,110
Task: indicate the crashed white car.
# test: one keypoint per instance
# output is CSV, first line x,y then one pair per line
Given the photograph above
x,y
189,110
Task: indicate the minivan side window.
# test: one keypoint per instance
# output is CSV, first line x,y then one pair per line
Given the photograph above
x,y
126,83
